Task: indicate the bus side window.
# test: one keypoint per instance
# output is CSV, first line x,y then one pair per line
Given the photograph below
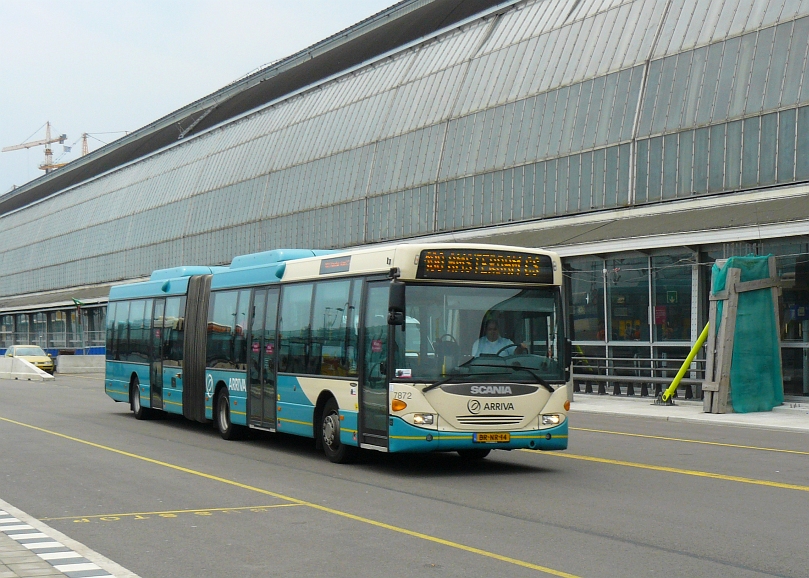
x,y
137,350
352,329
173,331
111,343
330,317
221,329
121,330
239,359
294,327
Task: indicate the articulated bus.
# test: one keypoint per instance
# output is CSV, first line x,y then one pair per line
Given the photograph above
x,y
406,348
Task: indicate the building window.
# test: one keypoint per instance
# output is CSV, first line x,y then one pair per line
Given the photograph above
x,y
6,330
95,326
21,329
671,280
58,321
628,293
586,299
40,326
793,272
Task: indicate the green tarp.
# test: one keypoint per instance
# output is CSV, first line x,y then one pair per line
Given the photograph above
x,y
756,382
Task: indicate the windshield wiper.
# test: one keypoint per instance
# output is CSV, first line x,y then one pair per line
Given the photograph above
x,y
519,367
452,376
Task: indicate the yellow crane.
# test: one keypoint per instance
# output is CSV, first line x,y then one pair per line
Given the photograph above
x,y
48,165
85,147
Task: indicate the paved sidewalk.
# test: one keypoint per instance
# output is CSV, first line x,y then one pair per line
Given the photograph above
x,y
793,415
30,549
16,561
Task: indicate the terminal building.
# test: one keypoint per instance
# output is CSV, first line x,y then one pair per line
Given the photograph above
x,y
640,139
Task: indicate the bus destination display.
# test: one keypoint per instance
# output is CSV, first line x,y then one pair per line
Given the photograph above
x,y
335,265
473,265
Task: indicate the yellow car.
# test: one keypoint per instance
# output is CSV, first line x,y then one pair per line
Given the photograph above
x,y
34,355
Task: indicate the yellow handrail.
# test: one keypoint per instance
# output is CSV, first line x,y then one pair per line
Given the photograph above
x,y
694,350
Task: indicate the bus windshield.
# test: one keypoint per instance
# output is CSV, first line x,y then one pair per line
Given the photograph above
x,y
480,334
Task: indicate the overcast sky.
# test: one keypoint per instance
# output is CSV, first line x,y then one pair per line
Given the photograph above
x,y
100,66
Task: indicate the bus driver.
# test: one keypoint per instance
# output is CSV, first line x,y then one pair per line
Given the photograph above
x,y
492,343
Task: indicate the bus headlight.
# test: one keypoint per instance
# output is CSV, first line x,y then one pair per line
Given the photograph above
x,y
423,418
551,419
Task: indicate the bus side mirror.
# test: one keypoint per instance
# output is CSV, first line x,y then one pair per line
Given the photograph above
x,y
396,303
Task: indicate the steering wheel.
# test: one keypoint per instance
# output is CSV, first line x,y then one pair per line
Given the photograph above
x,y
502,349
451,338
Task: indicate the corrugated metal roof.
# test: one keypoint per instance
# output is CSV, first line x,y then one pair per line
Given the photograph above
x,y
56,299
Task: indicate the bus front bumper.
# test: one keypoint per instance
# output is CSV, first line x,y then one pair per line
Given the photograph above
x,y
404,437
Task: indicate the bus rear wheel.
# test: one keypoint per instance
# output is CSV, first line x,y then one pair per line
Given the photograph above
x,y
134,400
223,423
473,455
336,451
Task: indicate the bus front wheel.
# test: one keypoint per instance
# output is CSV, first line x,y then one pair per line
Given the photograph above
x,y
336,451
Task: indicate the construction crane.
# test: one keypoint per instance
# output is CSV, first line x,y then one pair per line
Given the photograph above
x,y
48,165
85,147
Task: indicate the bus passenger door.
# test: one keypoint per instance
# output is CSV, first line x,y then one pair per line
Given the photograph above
x,y
261,366
373,376
156,355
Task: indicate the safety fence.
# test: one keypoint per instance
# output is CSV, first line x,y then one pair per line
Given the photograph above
x,y
623,375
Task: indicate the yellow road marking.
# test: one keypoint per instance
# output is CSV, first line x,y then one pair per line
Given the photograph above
x,y
707,443
168,512
340,513
669,470
78,375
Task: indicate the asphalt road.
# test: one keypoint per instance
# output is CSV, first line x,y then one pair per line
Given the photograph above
x,y
631,497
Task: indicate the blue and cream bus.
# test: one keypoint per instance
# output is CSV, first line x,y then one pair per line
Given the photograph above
x,y
406,348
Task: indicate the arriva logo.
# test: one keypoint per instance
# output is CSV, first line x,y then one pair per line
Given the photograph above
x,y
237,384
490,390
209,385
496,406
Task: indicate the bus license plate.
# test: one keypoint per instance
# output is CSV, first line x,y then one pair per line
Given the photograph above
x,y
491,438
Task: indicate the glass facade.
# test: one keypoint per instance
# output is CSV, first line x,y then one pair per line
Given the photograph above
x,y
678,283
54,330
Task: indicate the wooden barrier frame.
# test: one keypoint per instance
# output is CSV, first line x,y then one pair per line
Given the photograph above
x,y
717,386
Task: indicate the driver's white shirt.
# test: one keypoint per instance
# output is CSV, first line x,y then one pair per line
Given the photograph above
x,y
483,345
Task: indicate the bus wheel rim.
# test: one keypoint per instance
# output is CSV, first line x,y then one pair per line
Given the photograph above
x,y
331,430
